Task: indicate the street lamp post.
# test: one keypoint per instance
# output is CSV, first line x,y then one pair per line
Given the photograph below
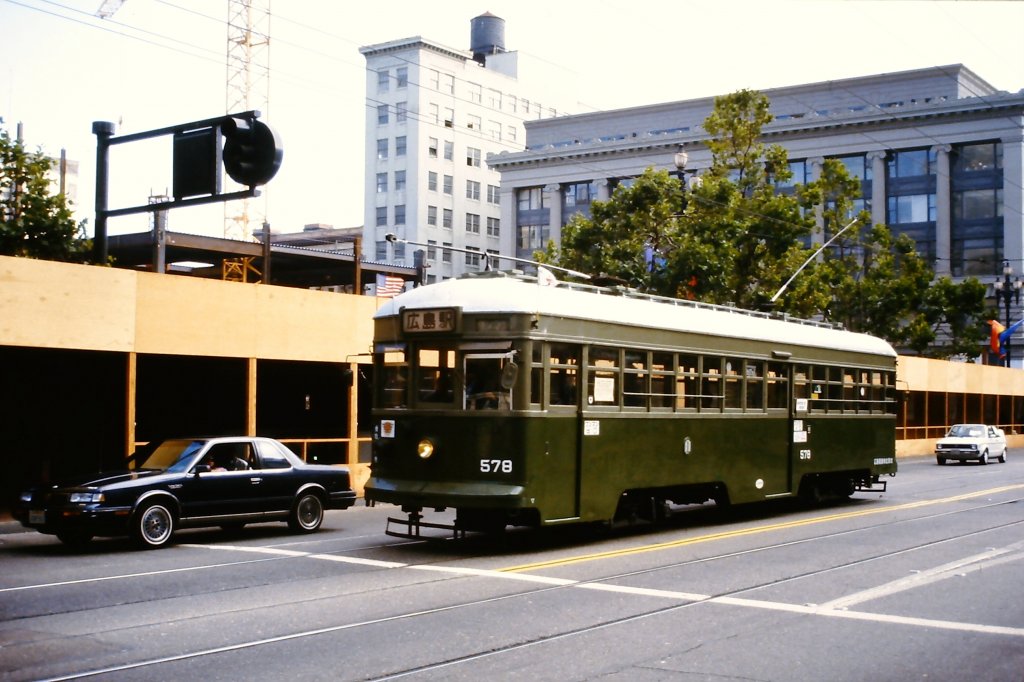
x,y
1007,291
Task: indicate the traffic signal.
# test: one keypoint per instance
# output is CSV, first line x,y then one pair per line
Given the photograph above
x,y
252,151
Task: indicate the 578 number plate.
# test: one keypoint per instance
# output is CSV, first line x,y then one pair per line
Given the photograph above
x,y
496,466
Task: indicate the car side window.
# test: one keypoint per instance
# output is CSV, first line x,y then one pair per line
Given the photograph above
x,y
229,457
270,457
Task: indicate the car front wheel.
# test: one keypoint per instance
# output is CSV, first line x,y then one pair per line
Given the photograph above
x,y
984,458
307,514
153,526
1002,457
940,460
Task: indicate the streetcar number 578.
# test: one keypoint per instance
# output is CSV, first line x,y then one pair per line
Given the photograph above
x,y
488,466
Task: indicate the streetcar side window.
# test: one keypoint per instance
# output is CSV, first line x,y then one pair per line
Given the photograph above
x,y
754,389
711,384
394,372
688,383
536,373
564,368
778,386
602,376
634,379
661,380
733,383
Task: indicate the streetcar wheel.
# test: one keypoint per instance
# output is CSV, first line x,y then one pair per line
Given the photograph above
x,y
307,514
984,458
153,526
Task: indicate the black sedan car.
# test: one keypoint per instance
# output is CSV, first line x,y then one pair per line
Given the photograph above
x,y
187,483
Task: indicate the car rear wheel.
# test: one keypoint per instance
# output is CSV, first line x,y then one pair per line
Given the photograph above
x,y
307,514
153,526
984,458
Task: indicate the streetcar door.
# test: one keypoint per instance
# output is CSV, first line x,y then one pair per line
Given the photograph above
x,y
561,432
800,428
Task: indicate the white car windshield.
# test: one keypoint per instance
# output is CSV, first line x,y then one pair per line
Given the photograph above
x,y
967,431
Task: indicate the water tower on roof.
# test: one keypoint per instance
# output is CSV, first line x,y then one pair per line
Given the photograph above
x,y
487,36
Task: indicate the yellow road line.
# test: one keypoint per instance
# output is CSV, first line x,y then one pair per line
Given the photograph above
x,y
751,531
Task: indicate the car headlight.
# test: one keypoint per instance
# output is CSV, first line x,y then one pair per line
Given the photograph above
x,y
26,496
85,498
425,448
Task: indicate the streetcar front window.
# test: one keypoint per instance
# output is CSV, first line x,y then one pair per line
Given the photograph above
x,y
489,381
435,376
394,374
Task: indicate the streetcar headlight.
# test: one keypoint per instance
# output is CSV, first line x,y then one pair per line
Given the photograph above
x,y
425,448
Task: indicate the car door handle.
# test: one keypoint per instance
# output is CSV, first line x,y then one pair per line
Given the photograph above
x,y
255,480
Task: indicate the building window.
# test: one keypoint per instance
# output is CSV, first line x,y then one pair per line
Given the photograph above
x,y
579,194
448,83
530,238
382,114
446,219
472,257
382,149
493,194
449,117
381,252
473,223
433,114
399,180
473,157
432,181
383,81
400,214
449,150
493,227
494,130
472,189
474,124
382,216
433,79
399,251
400,112
400,145
382,183
432,148
511,133
446,252
912,163
431,249
512,102
530,198
449,181
475,93
432,215
971,158
494,98
912,208
402,77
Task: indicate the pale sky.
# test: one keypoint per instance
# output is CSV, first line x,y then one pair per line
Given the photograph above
x,y
160,62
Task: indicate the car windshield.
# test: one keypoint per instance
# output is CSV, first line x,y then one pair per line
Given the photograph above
x,y
967,430
172,455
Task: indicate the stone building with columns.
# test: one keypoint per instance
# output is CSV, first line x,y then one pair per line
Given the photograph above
x,y
938,151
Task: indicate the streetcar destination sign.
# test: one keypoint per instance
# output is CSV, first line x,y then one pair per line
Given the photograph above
x,y
430,320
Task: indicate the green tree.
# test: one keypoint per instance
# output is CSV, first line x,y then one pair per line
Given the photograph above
x,y
34,223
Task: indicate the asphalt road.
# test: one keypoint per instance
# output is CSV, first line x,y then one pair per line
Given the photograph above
x,y
919,583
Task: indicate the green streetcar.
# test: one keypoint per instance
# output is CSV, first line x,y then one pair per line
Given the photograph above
x,y
518,401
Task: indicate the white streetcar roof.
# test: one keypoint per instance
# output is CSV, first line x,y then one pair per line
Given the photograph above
x,y
507,294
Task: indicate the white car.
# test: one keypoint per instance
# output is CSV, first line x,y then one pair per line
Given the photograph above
x,y
971,441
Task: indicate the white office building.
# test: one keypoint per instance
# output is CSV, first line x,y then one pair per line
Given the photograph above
x,y
434,115
938,150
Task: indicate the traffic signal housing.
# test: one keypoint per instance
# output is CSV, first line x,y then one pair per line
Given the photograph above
x,y
252,151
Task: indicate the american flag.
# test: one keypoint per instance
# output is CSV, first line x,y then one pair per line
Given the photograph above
x,y
389,286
